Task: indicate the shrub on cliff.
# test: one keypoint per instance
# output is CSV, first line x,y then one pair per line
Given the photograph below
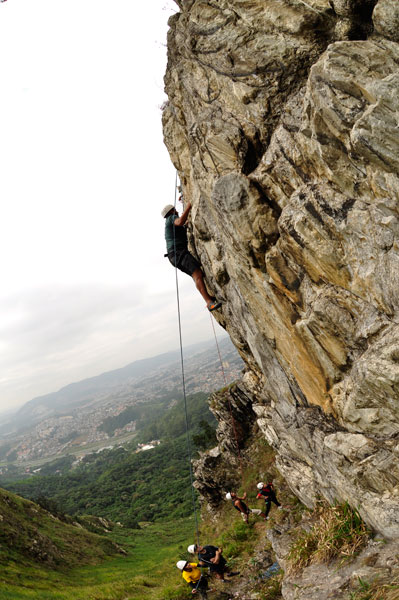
x,y
339,532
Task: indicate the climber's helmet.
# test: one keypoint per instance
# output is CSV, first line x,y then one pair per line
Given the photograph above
x,y
260,485
181,564
166,210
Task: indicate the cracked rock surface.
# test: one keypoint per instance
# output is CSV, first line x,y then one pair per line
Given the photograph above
x,y
283,123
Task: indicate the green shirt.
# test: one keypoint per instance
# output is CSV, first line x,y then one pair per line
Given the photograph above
x,y
175,233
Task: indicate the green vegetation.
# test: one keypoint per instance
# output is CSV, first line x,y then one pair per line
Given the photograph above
x,y
3,451
172,423
271,590
124,486
12,456
46,554
339,532
377,590
30,532
84,566
69,437
147,571
206,438
237,538
59,465
242,542
131,413
148,414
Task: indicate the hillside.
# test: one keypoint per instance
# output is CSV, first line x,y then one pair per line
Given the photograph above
x,y
145,571
83,417
44,558
29,535
281,121
123,485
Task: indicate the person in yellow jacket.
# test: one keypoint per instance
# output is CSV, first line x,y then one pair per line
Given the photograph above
x,y
192,574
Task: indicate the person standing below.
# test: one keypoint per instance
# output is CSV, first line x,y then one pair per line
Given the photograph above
x,y
192,574
211,556
178,254
240,505
266,492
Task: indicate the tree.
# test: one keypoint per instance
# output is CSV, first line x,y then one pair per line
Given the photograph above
x,y
206,438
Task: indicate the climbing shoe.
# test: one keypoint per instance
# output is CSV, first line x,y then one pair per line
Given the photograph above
x,y
233,573
213,305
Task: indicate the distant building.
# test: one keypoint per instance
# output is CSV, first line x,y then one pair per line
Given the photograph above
x,y
148,446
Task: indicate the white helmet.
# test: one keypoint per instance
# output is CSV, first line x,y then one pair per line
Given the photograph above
x,y
260,485
181,564
191,549
166,209
228,496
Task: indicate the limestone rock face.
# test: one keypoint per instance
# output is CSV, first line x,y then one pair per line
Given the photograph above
x,y
331,582
218,470
386,19
283,124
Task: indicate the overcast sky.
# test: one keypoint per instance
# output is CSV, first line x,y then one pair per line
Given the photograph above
x,y
84,175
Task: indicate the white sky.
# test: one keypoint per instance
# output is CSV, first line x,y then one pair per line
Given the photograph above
x,y
83,177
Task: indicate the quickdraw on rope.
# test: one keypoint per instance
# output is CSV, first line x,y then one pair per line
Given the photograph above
x,y
184,389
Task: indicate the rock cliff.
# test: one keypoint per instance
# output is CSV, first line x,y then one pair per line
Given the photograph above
x,y
282,121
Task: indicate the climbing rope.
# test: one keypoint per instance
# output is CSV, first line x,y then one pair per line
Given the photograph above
x,y
229,404
189,453
183,380
184,385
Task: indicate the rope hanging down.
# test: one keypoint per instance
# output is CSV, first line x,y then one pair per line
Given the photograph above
x,y
229,405
183,381
189,453
184,385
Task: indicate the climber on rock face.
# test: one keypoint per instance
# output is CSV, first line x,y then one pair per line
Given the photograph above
x,y
192,574
266,492
240,505
211,557
178,254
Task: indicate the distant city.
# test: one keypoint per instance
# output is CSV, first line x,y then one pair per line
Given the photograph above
x,y
76,430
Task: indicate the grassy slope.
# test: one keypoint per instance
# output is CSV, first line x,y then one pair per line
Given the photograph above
x,y
147,571
33,541
29,532
44,559
244,545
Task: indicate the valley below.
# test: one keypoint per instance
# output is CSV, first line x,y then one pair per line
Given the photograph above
x,y
110,410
